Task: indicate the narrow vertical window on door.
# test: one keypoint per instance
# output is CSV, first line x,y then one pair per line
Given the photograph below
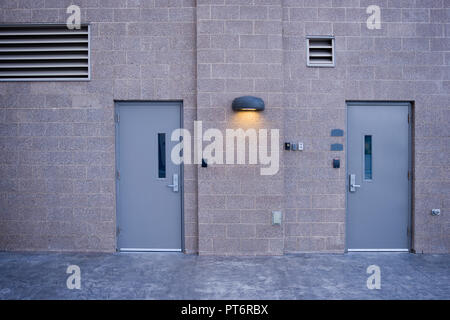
x,y
161,155
367,157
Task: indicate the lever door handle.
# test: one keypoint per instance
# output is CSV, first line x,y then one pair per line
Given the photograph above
x,y
174,184
352,183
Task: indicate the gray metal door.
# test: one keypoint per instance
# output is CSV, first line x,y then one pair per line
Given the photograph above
x,y
378,187
149,185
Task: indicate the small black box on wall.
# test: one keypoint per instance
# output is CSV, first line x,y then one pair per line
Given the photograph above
x,y
336,163
287,146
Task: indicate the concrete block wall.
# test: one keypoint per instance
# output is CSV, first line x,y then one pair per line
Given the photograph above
x,y
57,138
57,186
239,52
314,104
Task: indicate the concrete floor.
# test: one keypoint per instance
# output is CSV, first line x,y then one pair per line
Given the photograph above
x,y
178,276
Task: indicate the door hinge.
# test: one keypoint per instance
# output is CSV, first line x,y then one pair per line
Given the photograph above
x,y
117,174
409,117
409,175
116,117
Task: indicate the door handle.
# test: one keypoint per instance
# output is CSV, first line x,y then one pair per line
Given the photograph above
x,y
352,183
174,184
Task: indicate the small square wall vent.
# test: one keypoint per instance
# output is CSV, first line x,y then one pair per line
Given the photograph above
x,y
320,51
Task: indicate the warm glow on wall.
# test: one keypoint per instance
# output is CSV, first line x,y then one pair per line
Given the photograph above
x,y
247,120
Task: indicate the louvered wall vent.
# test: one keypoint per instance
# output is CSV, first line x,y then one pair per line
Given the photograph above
x,y
44,52
320,51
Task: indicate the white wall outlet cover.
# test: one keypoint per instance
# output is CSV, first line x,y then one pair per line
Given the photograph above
x,y
300,146
276,218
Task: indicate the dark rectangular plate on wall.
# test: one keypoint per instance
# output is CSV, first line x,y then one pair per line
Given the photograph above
x,y
337,147
337,132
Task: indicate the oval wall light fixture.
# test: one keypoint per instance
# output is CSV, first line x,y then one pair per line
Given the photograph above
x,y
248,103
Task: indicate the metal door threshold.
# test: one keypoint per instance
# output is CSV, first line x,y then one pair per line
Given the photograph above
x,y
148,250
378,250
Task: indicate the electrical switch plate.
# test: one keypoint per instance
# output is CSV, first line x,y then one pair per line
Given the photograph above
x,y
300,146
276,218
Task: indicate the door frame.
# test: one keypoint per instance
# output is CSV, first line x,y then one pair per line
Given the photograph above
x,y
116,120
364,103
